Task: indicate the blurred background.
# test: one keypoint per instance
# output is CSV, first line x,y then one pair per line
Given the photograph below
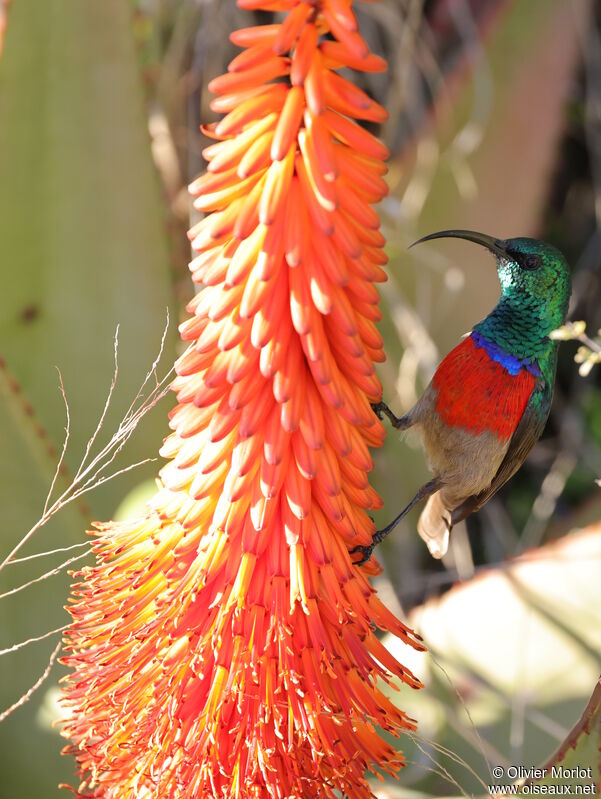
x,y
495,125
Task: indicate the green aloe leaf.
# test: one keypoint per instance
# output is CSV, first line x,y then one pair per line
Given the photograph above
x,y
575,768
84,249
512,655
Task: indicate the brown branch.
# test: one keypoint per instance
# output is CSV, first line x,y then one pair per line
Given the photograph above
x,y
589,721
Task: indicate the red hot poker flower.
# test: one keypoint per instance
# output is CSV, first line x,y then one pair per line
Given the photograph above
x,y
224,645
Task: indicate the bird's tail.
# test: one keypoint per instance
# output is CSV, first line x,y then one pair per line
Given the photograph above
x,y
434,526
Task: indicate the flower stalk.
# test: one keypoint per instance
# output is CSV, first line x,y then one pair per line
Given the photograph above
x,y
224,644
588,354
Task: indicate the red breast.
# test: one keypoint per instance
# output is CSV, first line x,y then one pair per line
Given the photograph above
x,y
477,393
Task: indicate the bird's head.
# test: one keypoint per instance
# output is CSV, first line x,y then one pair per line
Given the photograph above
x,y
534,275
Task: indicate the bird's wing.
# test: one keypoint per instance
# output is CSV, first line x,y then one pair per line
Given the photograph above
x,y
526,435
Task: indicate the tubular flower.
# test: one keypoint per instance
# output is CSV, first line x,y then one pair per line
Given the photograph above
x,y
224,644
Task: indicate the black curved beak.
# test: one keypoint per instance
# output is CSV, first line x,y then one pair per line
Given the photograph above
x,y
496,246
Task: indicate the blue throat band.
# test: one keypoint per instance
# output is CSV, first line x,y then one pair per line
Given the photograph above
x,y
510,362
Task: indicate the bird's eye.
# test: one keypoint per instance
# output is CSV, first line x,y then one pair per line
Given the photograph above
x,y
531,262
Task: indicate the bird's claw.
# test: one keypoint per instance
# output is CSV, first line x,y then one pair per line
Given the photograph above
x,y
377,408
366,550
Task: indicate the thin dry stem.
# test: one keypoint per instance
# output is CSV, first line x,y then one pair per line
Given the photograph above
x,y
90,474
107,403
466,709
28,694
48,553
95,481
65,442
438,767
56,570
35,639
452,755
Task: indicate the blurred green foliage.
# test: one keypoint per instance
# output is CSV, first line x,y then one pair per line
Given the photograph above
x,y
514,655
84,249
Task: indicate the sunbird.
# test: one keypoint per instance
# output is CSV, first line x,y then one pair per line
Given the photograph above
x,y
490,397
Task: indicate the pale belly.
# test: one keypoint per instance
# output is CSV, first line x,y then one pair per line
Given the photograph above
x,y
466,462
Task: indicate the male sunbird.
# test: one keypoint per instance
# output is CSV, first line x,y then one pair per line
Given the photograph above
x,y
489,399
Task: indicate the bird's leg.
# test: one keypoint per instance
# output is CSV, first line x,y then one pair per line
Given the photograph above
x,y
400,422
425,491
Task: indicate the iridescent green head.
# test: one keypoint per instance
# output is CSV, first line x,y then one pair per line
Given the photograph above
x,y
535,273
535,292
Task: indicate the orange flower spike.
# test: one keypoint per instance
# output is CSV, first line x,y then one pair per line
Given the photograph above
x,y
257,157
318,214
251,108
290,29
223,644
320,187
347,36
296,225
276,186
258,34
336,55
320,287
357,138
288,124
321,144
225,154
315,87
252,57
247,217
304,54
348,99
273,67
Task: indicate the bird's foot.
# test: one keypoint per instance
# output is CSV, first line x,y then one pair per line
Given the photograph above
x,y
365,553
400,422
367,549
377,408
